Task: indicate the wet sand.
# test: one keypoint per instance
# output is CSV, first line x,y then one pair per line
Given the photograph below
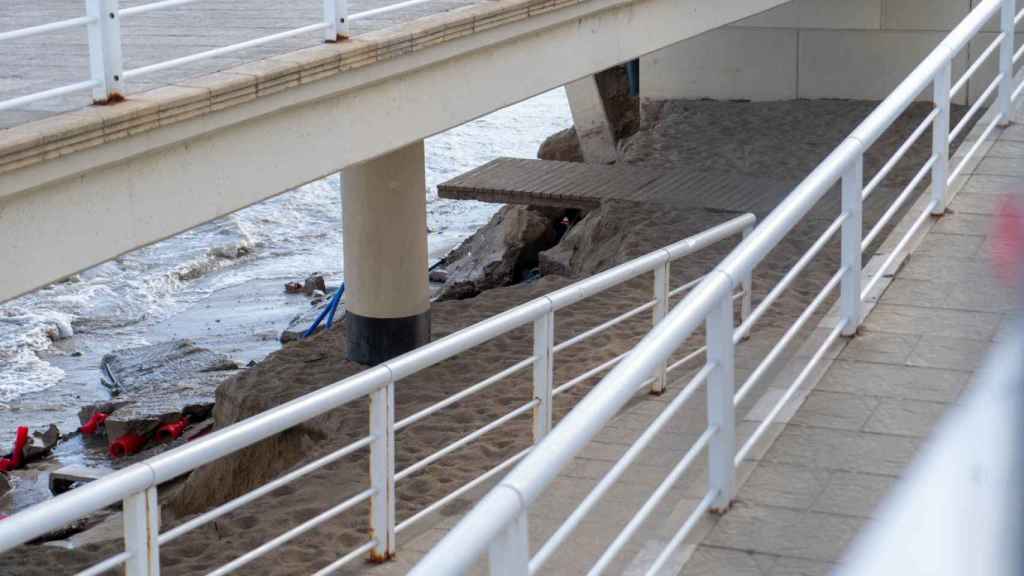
x,y
784,145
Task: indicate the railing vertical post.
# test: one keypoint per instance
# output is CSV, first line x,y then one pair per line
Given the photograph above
x,y
940,137
141,533
721,415
1006,51
105,63
509,553
382,472
661,290
543,373
336,18
850,302
747,282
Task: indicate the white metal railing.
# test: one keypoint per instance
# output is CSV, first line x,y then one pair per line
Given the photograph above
x,y
498,525
106,64
136,486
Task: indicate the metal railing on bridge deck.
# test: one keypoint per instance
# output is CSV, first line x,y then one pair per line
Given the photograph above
x,y
498,525
137,485
107,75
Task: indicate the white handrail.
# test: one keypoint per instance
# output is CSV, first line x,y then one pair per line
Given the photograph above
x,y
377,382
499,521
105,44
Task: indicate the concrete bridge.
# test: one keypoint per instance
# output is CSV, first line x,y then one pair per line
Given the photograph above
x,y
84,186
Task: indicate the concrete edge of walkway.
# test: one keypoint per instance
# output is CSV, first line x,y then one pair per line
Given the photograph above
x,y
69,132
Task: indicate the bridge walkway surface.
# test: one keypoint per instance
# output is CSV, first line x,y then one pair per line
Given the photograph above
x,y
42,62
842,441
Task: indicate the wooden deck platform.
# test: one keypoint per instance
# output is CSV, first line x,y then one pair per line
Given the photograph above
x,y
576,185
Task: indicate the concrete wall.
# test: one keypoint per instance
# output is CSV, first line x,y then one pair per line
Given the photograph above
x,y
814,49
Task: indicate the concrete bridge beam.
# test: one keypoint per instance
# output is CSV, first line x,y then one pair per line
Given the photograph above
x,y
387,299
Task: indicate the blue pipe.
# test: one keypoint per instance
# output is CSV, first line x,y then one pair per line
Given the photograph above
x,y
327,313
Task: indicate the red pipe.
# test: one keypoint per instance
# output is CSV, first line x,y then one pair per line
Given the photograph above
x,y
171,431
17,455
126,445
18,458
90,427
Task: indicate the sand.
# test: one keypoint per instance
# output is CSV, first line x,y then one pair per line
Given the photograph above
x,y
780,140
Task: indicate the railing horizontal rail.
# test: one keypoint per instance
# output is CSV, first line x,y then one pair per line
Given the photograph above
x,y
213,52
898,203
152,6
47,28
979,61
295,532
263,490
464,441
462,395
613,475
900,153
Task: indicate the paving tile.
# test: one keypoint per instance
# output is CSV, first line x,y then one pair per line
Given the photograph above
x,y
976,224
894,381
956,246
768,530
784,485
987,184
835,410
921,267
842,450
880,347
713,561
1000,166
933,322
1006,149
975,203
788,566
853,494
950,353
981,294
905,417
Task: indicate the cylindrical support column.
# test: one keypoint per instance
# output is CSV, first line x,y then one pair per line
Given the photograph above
x,y
387,299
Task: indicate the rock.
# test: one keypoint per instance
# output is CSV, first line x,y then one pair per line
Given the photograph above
x,y
619,231
501,252
563,146
72,476
162,383
135,370
313,283
439,275
41,444
5,484
86,412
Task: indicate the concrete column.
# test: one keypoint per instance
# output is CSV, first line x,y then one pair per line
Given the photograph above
x,y
593,128
387,300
